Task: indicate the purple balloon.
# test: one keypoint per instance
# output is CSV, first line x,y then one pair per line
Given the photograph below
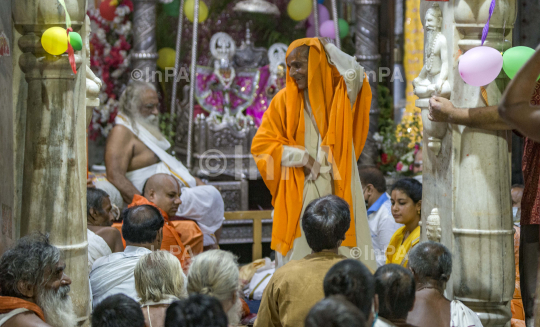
x,y
480,66
327,29
324,15
310,32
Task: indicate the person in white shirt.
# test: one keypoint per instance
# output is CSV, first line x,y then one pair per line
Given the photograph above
x,y
113,274
379,210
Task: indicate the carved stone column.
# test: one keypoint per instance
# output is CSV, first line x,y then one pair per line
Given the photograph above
x,y
54,173
466,176
367,54
144,53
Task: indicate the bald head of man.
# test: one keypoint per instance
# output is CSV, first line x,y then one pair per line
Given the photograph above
x,y
164,191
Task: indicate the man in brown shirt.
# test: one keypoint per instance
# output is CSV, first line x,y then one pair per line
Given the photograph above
x,y
298,285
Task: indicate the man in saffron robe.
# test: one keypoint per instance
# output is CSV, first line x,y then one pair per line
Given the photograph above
x,y
309,142
163,192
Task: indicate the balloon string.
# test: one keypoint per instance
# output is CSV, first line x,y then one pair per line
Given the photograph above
x,y
486,27
71,53
68,19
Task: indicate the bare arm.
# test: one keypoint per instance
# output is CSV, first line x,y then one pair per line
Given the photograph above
x,y
444,68
515,107
118,153
442,110
113,238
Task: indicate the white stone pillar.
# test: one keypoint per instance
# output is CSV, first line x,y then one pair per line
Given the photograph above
x,y
54,165
466,177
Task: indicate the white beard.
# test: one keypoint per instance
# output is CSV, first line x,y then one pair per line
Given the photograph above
x,y
235,314
431,35
151,123
57,307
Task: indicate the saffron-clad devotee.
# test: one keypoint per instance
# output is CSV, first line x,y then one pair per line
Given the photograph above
x,y
335,311
431,265
113,274
159,281
215,273
395,287
298,285
406,209
136,150
182,238
118,311
379,210
102,238
519,109
34,288
353,280
197,310
309,141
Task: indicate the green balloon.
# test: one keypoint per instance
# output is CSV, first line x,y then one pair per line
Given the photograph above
x,y
76,41
172,8
514,58
343,28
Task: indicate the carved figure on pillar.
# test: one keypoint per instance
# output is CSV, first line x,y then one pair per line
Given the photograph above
x,y
93,83
433,78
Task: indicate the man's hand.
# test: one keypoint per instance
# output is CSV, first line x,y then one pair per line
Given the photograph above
x,y
199,181
325,40
312,169
441,110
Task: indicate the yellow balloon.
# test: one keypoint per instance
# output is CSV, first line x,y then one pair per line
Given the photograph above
x,y
189,8
166,58
299,9
55,41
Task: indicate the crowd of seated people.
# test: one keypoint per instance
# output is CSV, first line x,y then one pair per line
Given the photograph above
x,y
134,281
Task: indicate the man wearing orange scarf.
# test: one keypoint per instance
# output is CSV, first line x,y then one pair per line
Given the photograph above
x,y
34,288
309,142
182,238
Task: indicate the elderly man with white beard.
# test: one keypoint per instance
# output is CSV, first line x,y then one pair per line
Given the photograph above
x,y
136,150
33,285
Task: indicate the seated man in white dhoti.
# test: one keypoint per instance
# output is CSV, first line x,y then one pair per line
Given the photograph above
x,y
114,274
102,238
309,142
136,150
431,265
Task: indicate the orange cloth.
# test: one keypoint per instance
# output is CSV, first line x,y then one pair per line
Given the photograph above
x,y
340,126
8,303
516,305
172,240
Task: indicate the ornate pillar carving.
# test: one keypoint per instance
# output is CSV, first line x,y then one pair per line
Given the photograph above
x,y
144,53
367,54
54,173
466,177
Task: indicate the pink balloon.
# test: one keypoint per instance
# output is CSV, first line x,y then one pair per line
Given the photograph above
x,y
310,32
327,29
480,66
324,15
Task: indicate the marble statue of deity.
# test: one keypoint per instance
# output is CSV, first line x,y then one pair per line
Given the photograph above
x,y
433,78
223,91
93,83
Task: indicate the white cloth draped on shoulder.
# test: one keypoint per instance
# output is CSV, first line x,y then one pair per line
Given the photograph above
x,y
97,248
462,316
204,204
113,274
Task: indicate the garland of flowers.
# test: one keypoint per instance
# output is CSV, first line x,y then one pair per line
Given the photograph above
x,y
398,145
110,46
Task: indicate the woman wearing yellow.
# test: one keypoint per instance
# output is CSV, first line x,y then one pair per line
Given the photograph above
x,y
406,200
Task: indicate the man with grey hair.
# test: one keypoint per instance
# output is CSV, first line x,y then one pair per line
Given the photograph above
x,y
431,265
136,150
33,285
